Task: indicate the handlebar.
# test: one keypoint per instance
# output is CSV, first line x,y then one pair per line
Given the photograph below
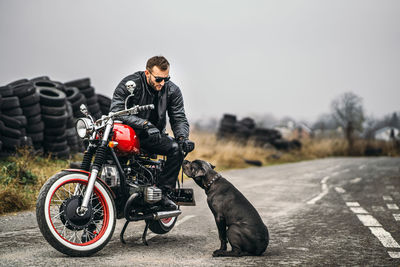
x,y
133,110
145,107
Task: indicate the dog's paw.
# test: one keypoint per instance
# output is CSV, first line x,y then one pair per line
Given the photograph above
x,y
218,253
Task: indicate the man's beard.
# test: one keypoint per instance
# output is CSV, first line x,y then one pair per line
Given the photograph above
x,y
153,85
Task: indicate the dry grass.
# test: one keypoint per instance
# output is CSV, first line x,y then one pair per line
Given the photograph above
x,y
22,176
231,154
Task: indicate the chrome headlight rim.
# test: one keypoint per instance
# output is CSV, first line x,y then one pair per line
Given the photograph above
x,y
84,127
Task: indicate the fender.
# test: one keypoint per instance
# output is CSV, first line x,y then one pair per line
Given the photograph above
x,y
98,179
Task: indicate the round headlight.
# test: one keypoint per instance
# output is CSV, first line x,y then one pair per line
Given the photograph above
x,y
84,127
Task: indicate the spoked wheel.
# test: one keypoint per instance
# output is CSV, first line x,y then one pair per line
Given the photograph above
x,y
162,226
61,225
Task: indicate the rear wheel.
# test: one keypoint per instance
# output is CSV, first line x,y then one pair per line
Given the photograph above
x,y
59,222
162,226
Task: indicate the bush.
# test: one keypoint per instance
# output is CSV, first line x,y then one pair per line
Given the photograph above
x,y
17,171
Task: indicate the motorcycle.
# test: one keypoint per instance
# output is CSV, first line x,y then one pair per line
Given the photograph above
x,y
77,209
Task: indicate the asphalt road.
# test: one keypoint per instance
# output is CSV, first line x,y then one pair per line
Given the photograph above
x,y
338,211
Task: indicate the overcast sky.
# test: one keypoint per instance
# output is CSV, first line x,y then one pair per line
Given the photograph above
x,y
287,58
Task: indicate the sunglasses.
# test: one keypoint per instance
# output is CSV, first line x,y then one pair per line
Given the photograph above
x,y
160,79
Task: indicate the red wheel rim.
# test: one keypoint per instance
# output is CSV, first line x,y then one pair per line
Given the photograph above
x,y
166,220
103,206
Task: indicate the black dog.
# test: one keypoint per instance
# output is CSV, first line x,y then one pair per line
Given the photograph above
x,y
246,232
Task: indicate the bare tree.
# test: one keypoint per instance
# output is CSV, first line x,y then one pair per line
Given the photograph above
x,y
349,113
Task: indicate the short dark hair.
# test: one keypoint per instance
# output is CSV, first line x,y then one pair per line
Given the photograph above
x,y
159,61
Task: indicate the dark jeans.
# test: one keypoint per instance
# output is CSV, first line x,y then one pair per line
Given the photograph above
x,y
169,147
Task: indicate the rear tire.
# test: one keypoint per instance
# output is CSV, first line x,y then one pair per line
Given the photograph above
x,y
162,226
61,229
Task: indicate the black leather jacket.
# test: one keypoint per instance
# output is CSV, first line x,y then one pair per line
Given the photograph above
x,y
169,99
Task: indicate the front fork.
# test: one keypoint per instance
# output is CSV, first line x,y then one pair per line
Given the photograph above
x,y
97,164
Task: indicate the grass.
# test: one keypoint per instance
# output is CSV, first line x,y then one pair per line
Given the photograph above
x,y
231,154
22,175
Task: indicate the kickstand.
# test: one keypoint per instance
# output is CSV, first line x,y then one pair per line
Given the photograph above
x,y
121,236
145,233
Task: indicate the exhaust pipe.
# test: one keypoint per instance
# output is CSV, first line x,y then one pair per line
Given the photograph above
x,y
156,216
166,214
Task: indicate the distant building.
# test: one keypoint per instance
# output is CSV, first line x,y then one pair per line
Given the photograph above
x,y
387,134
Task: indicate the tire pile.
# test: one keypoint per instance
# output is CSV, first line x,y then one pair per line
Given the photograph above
x,y
245,129
41,113
88,92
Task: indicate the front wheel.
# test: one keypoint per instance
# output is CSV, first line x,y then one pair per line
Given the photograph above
x,y
59,222
162,226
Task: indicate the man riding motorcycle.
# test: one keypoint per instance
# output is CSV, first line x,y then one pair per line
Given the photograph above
x,y
153,86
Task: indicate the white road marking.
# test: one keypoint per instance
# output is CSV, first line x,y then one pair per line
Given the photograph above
x,y
184,219
392,206
385,237
325,191
394,254
352,204
368,220
396,216
340,190
356,180
376,228
390,187
358,210
361,167
387,198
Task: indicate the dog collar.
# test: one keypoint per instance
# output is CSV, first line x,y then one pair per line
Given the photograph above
x,y
208,185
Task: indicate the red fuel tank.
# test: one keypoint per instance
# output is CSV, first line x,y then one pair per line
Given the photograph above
x,y
128,142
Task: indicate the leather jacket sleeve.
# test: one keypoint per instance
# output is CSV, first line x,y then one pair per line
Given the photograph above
x,y
118,104
176,114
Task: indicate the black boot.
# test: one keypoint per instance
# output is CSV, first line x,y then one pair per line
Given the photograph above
x,y
167,203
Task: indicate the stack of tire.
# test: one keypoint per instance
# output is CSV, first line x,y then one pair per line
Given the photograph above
x,y
42,113
104,103
76,98
73,141
10,127
264,136
227,126
244,128
12,120
29,100
53,104
84,86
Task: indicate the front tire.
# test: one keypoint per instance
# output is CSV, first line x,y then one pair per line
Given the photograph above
x,y
66,232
